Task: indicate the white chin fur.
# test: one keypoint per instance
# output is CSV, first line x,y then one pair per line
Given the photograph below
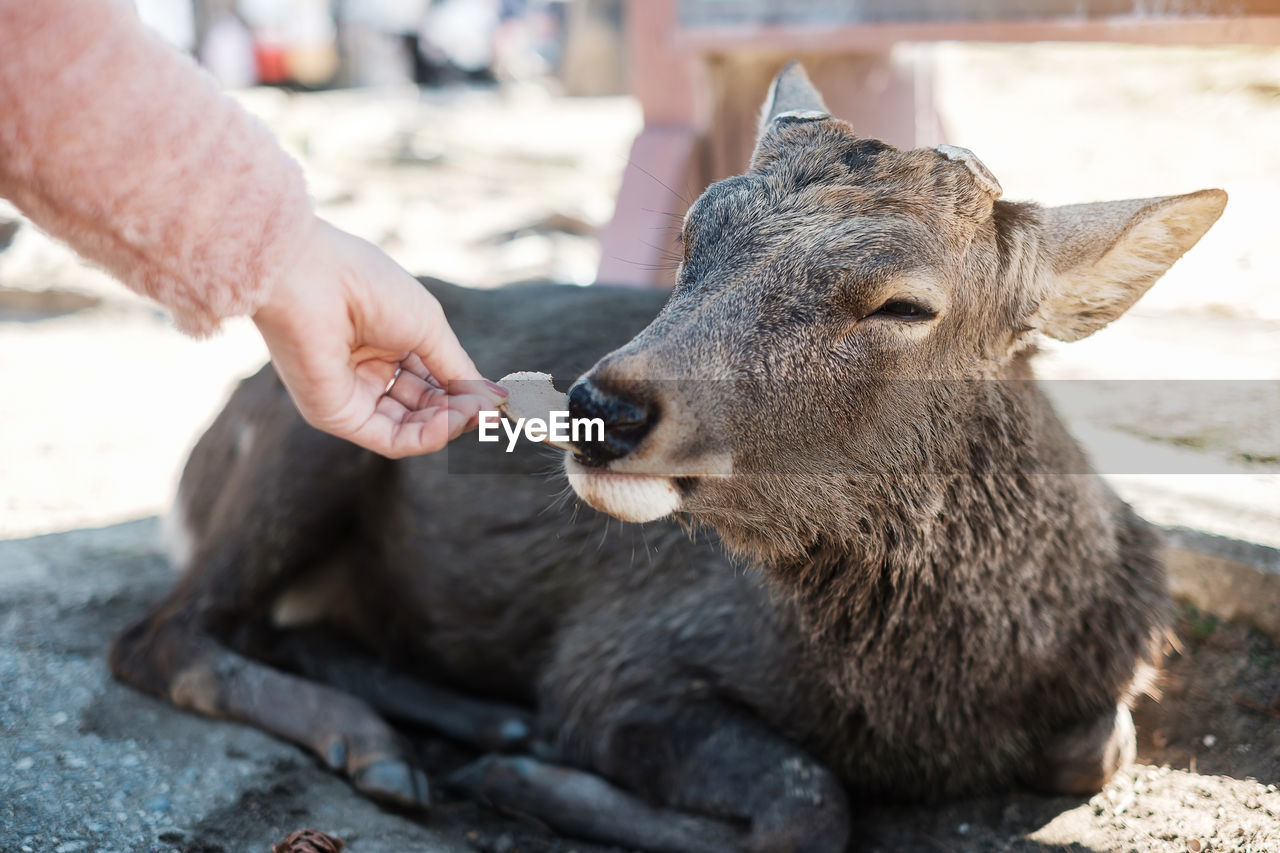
x,y
630,497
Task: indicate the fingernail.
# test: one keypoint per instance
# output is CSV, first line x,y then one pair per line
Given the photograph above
x,y
496,388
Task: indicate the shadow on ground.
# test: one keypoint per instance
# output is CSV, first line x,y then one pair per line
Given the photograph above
x,y
94,766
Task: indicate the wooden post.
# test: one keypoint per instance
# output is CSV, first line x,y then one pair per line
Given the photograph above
x,y
665,170
700,112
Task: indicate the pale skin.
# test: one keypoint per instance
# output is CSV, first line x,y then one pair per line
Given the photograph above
x,y
340,323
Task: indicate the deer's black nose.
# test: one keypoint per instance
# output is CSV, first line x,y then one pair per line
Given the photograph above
x,y
627,416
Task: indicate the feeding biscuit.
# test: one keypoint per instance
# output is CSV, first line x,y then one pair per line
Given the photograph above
x,y
531,395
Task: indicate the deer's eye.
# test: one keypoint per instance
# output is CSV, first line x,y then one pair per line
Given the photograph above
x,y
902,309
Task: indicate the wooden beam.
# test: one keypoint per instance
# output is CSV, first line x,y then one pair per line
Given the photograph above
x,y
870,37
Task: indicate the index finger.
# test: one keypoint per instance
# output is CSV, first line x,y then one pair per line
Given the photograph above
x,y
441,351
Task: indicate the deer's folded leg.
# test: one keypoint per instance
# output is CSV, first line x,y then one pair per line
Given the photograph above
x,y
584,805
168,655
488,726
717,762
721,760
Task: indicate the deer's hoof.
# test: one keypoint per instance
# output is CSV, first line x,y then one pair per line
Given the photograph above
x,y
394,782
335,754
511,735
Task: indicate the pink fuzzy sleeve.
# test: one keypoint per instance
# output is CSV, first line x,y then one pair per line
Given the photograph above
x,y
119,145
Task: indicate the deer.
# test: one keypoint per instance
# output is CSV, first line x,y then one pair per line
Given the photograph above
x,y
862,557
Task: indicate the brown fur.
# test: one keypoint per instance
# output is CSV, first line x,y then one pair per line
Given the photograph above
x,y
940,597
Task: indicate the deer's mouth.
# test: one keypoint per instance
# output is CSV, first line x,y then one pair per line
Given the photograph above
x,y
624,495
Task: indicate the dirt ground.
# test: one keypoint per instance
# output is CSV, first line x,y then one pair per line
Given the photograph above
x,y
101,400
90,766
1207,774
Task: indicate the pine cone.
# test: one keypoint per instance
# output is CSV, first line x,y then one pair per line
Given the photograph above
x,y
309,841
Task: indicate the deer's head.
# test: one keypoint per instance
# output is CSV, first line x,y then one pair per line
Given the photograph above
x,y
817,290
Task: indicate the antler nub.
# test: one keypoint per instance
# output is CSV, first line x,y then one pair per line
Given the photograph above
x,y
981,174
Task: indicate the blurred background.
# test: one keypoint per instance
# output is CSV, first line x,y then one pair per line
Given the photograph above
x,y
488,141
492,141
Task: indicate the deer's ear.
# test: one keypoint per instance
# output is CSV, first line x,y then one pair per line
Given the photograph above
x,y
792,94
1104,256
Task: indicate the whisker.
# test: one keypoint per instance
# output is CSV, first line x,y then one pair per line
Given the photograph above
x,y
649,552
600,545
663,213
633,164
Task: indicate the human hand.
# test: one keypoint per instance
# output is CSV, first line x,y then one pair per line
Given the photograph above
x,y
338,327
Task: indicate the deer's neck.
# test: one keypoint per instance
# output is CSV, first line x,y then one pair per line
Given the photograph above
x,y
952,566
